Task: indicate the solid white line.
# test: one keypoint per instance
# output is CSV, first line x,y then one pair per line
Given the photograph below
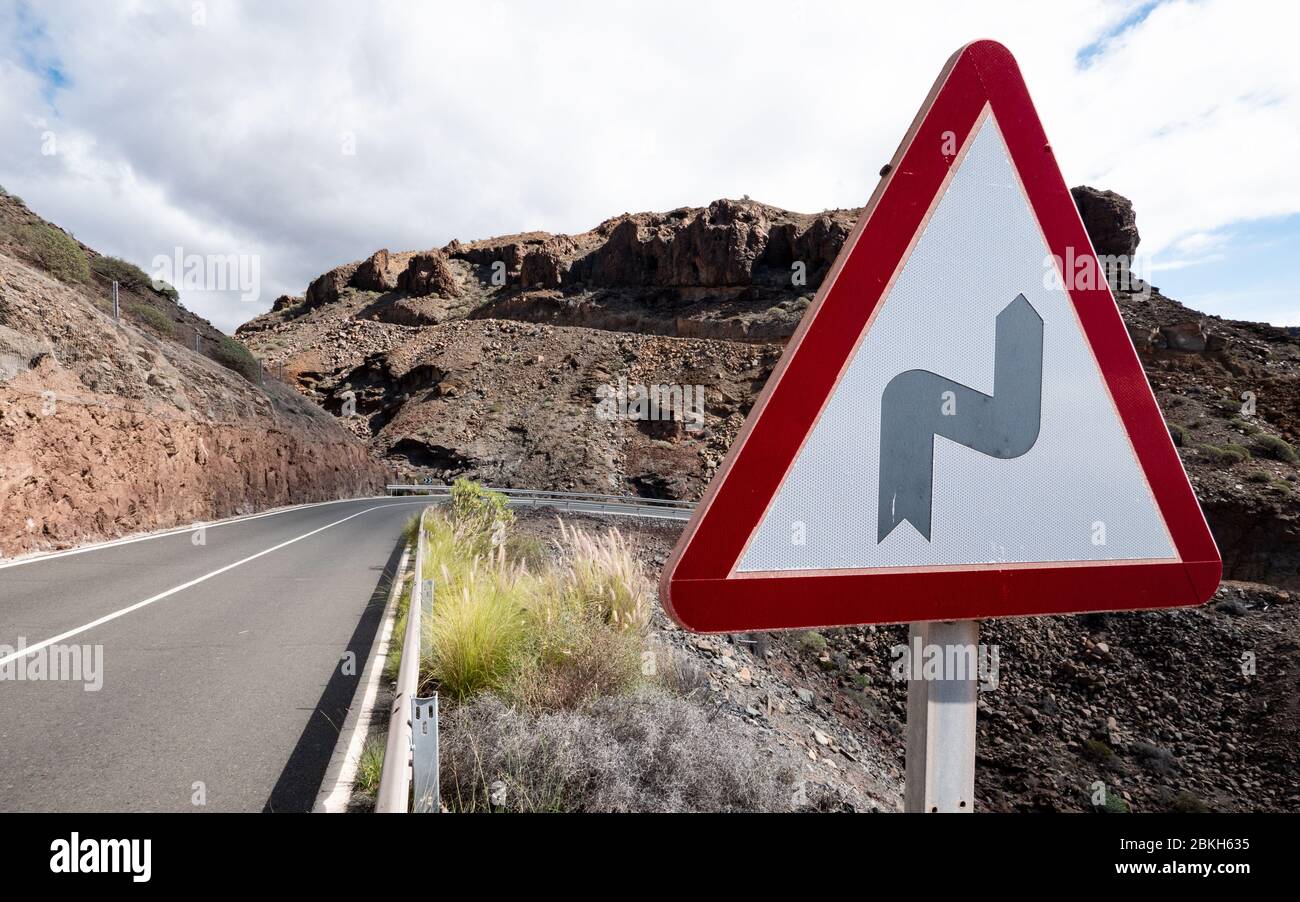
x,y
183,586
336,789
39,556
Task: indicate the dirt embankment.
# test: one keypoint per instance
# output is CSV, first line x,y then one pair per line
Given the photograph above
x,y
107,428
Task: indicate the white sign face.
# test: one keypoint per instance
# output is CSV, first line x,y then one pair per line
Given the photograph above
x,y
1076,494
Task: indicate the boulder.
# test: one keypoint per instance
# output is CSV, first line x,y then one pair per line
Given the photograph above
x,y
326,288
1186,336
285,302
380,272
429,273
1109,219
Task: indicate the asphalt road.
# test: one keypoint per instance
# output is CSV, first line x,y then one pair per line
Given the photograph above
x,y
225,685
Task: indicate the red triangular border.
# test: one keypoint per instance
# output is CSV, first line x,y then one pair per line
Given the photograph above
x,y
698,587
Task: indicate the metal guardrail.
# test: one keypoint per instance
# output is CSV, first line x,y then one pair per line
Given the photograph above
x,y
540,498
395,781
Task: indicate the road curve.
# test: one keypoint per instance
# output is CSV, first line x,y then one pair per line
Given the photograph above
x,y
222,685
222,681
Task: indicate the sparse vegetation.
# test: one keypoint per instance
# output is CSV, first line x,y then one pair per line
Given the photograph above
x,y
481,516
127,275
1273,447
371,765
812,642
130,277
233,355
1226,455
156,319
1187,803
1097,751
53,250
1114,804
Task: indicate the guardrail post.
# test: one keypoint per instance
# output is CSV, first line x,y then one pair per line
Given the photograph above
x,y
424,755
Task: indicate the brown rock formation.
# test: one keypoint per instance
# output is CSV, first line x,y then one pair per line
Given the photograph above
x,y
380,271
108,429
1109,219
428,273
327,288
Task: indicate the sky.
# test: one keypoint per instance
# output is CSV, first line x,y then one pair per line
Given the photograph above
x,y
300,135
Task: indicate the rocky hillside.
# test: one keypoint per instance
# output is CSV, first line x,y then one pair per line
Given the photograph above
x,y
488,359
109,428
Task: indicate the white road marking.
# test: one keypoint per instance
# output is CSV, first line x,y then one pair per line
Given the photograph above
x,y
183,586
362,719
39,556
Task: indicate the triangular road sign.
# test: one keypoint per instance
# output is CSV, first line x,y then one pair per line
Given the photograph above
x,y
960,428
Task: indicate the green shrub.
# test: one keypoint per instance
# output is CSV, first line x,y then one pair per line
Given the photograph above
x,y
232,354
126,275
53,250
481,515
1114,804
1177,433
586,617
1275,448
1187,803
1243,426
812,642
156,319
1098,751
1259,477
1226,455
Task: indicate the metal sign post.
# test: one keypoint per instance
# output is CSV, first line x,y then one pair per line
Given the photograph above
x,y
116,309
941,718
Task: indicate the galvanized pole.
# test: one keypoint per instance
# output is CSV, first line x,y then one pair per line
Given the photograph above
x,y
116,310
941,718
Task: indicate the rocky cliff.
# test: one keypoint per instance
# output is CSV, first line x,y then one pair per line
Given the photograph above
x,y
489,358
108,428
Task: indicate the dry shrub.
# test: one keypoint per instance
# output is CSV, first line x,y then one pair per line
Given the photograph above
x,y
549,640
641,752
603,573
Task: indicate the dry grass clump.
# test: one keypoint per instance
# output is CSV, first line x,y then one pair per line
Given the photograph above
x,y
550,639
643,752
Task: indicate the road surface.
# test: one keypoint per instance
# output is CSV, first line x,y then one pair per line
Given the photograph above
x,y
224,687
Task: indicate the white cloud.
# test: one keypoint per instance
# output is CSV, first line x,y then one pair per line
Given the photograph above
x,y
479,119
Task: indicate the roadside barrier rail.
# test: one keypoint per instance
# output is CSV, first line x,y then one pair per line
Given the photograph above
x,y
395,781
